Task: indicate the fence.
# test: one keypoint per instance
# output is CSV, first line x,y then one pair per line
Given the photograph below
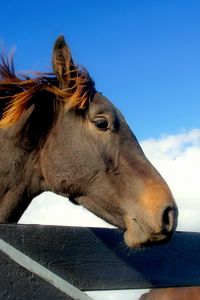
x,y
57,262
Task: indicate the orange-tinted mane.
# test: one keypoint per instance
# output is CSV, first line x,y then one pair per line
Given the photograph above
x,y
17,94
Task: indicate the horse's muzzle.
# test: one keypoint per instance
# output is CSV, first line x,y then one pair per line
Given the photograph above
x,y
142,232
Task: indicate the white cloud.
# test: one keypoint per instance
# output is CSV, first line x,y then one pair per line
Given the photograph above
x,y
177,157
171,146
52,209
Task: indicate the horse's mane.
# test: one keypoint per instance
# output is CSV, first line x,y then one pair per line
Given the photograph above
x,y
19,92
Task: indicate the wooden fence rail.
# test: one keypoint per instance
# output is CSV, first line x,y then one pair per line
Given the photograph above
x,y
92,259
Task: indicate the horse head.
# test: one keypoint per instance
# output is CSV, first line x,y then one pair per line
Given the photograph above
x,y
92,157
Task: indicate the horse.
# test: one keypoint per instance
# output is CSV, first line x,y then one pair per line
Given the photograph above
x,y
174,293
59,134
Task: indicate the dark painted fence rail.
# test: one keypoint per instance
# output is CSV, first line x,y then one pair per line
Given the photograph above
x,y
94,259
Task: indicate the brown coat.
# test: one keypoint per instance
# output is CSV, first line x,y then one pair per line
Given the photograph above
x,y
184,293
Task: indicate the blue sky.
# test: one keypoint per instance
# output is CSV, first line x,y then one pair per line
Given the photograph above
x,y
143,55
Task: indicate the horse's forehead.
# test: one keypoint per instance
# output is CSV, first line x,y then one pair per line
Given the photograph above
x,y
101,105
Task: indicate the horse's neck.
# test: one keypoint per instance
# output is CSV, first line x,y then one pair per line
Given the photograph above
x,y
20,180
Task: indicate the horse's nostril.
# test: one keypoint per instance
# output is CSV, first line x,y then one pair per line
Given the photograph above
x,y
168,219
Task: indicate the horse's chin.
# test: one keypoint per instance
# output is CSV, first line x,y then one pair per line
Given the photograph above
x,y
138,237
143,240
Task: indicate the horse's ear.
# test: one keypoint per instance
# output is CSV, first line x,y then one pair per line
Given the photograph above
x,y
62,61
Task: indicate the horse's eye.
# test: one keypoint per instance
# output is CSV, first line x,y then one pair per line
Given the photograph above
x,y
101,124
